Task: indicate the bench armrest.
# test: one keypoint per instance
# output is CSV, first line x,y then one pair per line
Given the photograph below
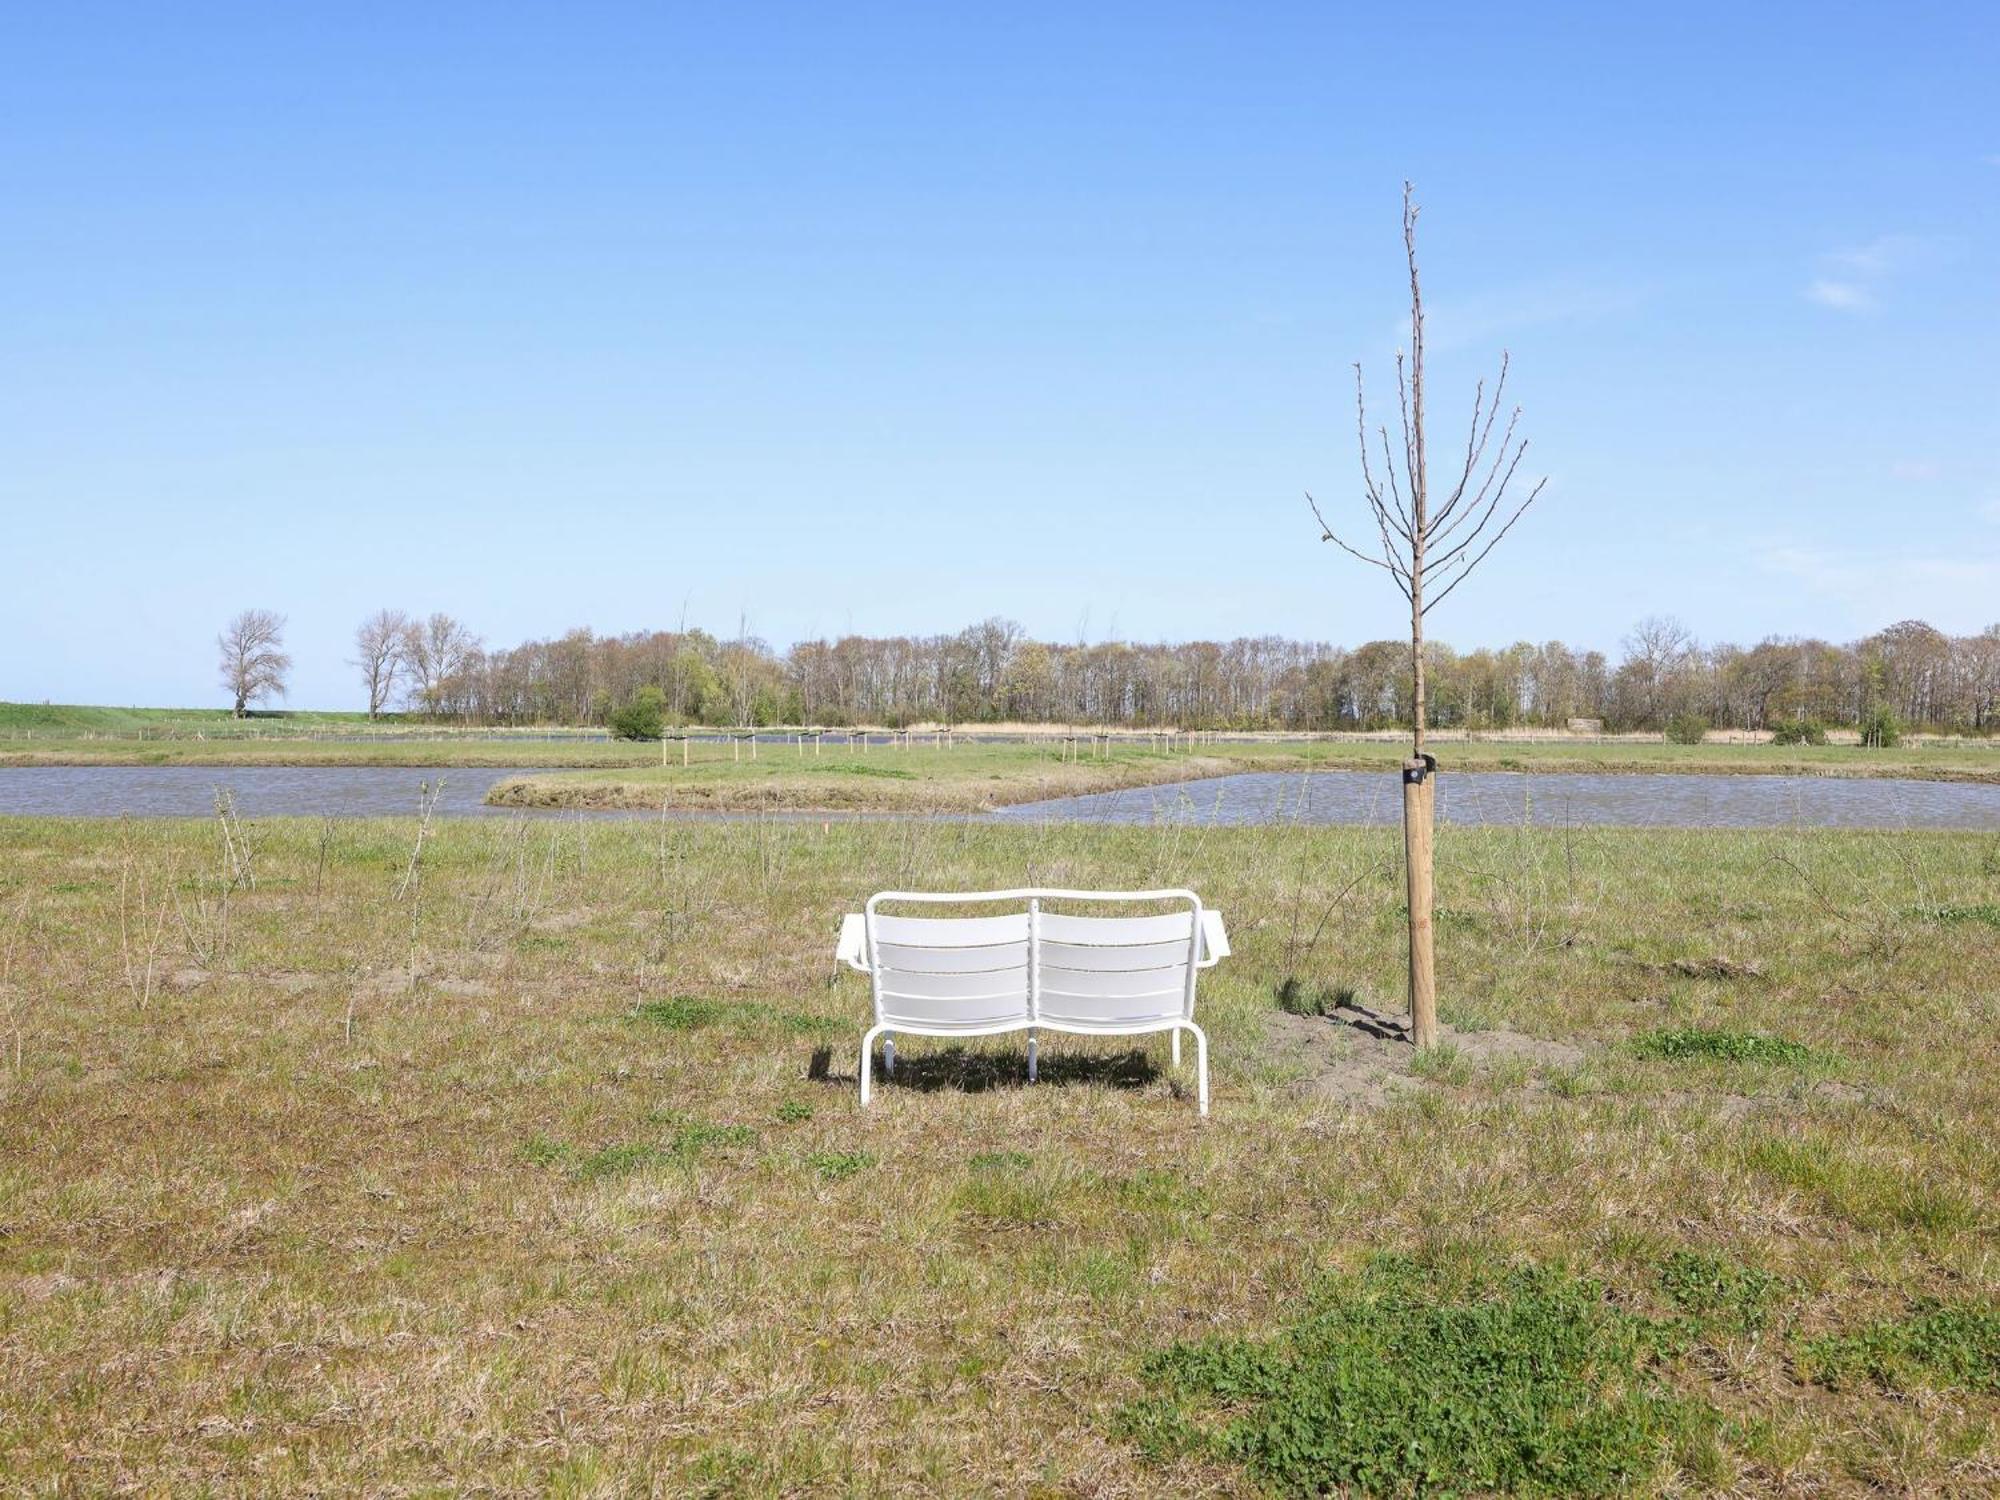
x,y
1214,939
852,949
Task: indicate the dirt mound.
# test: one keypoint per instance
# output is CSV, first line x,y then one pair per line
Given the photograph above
x,y
1363,1057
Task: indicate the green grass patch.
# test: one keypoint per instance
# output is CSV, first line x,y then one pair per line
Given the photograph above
x,y
1940,1345
838,1166
1411,1377
1715,1044
1000,1161
859,768
1296,997
1718,1294
682,1013
1442,1063
1984,913
794,1112
689,1139
690,1013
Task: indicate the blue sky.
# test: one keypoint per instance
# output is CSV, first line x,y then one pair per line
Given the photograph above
x,y
889,318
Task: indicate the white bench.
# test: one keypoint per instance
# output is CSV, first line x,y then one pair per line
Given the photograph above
x,y
1031,970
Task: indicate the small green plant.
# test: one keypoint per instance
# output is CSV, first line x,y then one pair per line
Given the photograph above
x,y
1686,729
1799,732
794,1112
544,1152
643,716
694,1138
1717,1293
1686,1043
838,1166
1416,1377
1298,998
1939,1345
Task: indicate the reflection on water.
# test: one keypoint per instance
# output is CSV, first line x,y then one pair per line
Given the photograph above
x,y
1269,797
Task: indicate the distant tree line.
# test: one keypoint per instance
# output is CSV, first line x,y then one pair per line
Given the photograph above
x,y
993,671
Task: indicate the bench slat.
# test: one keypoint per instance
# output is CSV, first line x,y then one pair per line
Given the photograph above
x,y
910,958
1126,956
1005,983
952,932
1114,982
1102,931
1104,1010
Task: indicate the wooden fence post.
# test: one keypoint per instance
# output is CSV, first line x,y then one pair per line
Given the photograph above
x,y
1419,814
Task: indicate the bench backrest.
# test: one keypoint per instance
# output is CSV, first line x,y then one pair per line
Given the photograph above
x,y
1029,966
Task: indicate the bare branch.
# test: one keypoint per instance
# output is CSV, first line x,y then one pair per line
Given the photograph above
x,y
1502,469
1466,572
1475,443
1387,564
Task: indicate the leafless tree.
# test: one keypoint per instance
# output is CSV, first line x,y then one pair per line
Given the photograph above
x,y
253,660
1429,545
740,659
379,645
435,652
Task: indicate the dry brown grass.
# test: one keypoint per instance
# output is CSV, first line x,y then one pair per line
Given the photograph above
x,y
396,1195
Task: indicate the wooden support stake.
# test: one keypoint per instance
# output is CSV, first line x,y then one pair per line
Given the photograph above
x,y
1419,813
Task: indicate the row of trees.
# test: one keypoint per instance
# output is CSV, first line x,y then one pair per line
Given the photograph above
x,y
437,667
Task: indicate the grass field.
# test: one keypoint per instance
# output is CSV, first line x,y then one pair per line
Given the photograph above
x,y
532,1164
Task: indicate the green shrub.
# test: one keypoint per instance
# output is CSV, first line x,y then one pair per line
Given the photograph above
x,y
643,716
1799,732
1411,1377
1880,729
1686,729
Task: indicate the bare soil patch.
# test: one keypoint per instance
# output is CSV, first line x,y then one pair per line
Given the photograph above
x,y
1364,1057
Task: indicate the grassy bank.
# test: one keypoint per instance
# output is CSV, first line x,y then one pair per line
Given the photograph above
x,y
974,777
533,1165
967,778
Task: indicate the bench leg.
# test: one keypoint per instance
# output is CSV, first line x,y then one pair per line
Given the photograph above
x,y
1200,1062
1033,1057
868,1059
1176,1035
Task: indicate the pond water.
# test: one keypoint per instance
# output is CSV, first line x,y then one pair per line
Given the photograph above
x,y
1642,801
1270,797
259,791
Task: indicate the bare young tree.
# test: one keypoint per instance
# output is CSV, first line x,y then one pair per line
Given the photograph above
x,y
1428,545
435,652
379,645
253,661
